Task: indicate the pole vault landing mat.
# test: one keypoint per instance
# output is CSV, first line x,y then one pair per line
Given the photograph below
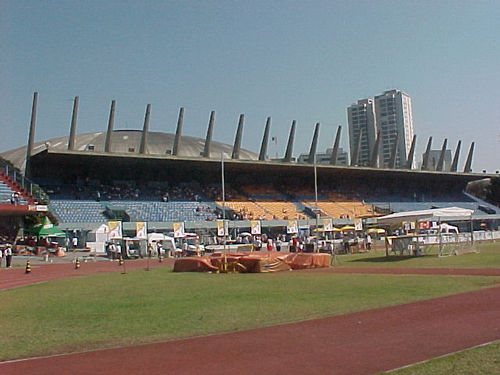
x,y
253,262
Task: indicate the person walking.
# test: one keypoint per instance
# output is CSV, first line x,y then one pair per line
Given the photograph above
x,y
1,254
8,256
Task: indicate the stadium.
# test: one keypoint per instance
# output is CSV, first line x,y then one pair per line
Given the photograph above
x,y
160,178
350,300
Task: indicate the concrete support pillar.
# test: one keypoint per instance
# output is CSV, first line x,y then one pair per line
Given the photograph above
x,y
143,149
72,130
454,163
111,123
394,152
314,145
335,150
357,149
178,132
440,163
411,154
208,139
31,136
468,163
425,161
237,139
289,146
265,139
374,159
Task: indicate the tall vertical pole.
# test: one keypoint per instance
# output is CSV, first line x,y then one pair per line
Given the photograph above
x,y
223,199
72,131
316,202
374,160
394,152
31,137
111,122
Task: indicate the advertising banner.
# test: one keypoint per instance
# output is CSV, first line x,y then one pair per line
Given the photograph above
x,y
222,227
115,230
141,230
292,227
255,227
179,230
327,225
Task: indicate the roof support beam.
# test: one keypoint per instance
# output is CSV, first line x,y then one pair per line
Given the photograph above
x,y
468,163
454,163
265,139
394,152
440,163
237,139
357,149
31,136
111,123
335,150
208,139
289,147
314,145
178,132
411,154
145,132
72,130
425,161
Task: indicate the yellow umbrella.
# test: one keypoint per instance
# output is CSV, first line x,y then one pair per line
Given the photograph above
x,y
376,230
347,227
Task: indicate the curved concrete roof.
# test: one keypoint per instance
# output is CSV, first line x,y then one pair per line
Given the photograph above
x,y
128,141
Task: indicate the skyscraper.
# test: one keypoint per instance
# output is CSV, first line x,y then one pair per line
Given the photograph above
x,y
389,114
361,119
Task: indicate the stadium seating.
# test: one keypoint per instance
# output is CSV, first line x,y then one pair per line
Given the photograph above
x,y
6,192
344,209
80,211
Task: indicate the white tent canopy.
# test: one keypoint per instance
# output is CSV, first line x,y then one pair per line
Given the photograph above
x,y
434,214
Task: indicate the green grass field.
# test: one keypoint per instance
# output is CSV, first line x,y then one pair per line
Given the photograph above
x,y
484,360
113,309
488,257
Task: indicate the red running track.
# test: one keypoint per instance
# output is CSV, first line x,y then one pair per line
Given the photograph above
x,y
360,343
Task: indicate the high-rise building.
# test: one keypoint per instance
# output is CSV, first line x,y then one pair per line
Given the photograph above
x,y
389,114
393,117
361,119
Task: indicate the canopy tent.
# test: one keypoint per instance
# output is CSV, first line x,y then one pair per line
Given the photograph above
x,y
435,214
46,229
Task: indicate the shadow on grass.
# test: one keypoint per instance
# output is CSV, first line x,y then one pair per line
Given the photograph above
x,y
389,259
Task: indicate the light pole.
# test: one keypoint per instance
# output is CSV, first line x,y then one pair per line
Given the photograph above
x,y
223,199
316,201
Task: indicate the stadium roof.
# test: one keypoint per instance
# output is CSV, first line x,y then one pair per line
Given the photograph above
x,y
127,142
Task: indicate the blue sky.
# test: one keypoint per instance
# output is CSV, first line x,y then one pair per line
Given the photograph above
x,y
302,60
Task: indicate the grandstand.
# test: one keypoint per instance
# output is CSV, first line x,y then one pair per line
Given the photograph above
x,y
164,177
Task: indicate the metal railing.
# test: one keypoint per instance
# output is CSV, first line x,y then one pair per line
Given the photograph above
x,y
15,175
